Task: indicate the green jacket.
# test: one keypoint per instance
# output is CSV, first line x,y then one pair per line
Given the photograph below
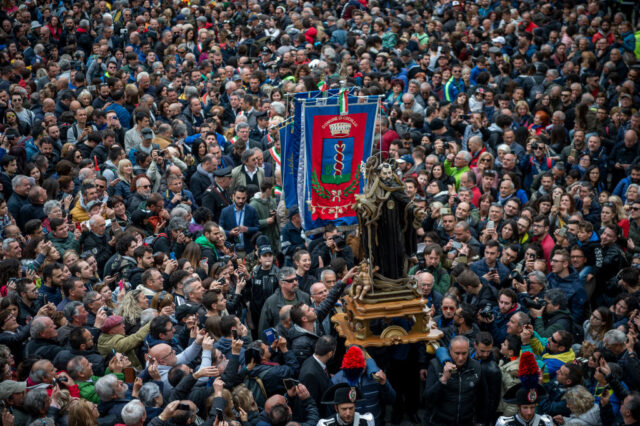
x,y
441,279
124,344
64,244
264,207
88,389
455,172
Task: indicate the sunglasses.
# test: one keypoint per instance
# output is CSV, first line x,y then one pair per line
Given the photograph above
x,y
290,280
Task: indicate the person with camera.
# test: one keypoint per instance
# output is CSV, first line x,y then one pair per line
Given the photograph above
x,y
497,320
457,382
490,271
554,351
334,246
552,314
568,376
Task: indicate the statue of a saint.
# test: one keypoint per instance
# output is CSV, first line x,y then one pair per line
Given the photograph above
x,y
388,220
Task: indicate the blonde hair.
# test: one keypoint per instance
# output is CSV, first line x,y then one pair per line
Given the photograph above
x,y
121,165
129,308
580,398
81,413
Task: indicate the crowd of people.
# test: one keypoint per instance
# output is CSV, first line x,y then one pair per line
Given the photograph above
x,y
151,274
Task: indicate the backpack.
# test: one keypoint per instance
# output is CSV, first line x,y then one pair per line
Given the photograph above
x,y
256,387
150,241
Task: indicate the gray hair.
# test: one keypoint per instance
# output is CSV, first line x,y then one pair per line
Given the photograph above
x,y
177,223
36,401
71,310
133,412
504,147
5,243
467,156
460,338
37,374
184,207
105,387
285,272
248,153
147,316
89,297
187,287
17,180
141,75
50,205
614,337
278,107
324,273
242,125
148,392
556,297
74,367
635,185
38,325
179,130
539,277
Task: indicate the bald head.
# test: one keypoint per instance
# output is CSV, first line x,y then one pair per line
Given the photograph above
x,y
318,292
273,401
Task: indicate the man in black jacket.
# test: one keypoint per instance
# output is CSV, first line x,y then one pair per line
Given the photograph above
x,y
95,241
313,373
217,196
307,320
454,385
483,353
43,342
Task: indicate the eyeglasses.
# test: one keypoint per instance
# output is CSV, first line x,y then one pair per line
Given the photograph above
x,y
144,186
448,308
635,209
552,339
290,280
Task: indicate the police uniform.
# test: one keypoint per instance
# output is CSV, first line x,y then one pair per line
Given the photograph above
x,y
538,420
216,198
521,395
342,393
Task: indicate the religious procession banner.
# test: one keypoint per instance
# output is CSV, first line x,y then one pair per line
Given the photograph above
x,y
335,142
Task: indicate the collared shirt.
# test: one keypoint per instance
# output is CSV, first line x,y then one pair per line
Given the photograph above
x,y
249,173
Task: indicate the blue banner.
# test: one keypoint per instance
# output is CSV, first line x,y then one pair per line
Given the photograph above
x,y
333,148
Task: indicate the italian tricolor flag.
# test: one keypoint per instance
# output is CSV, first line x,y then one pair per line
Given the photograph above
x,y
343,102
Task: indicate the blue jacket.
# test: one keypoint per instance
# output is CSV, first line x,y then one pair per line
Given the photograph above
x,y
576,295
374,395
480,268
452,89
186,195
621,188
250,220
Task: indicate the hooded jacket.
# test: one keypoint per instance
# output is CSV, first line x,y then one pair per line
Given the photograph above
x,y
573,289
209,250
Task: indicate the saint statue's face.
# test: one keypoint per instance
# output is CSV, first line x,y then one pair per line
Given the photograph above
x,y
386,173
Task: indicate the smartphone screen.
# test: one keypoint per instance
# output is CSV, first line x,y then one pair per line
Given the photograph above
x,y
271,335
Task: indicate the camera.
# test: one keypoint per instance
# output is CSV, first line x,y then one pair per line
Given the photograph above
x,y
339,242
59,380
531,303
107,311
486,312
582,361
515,275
